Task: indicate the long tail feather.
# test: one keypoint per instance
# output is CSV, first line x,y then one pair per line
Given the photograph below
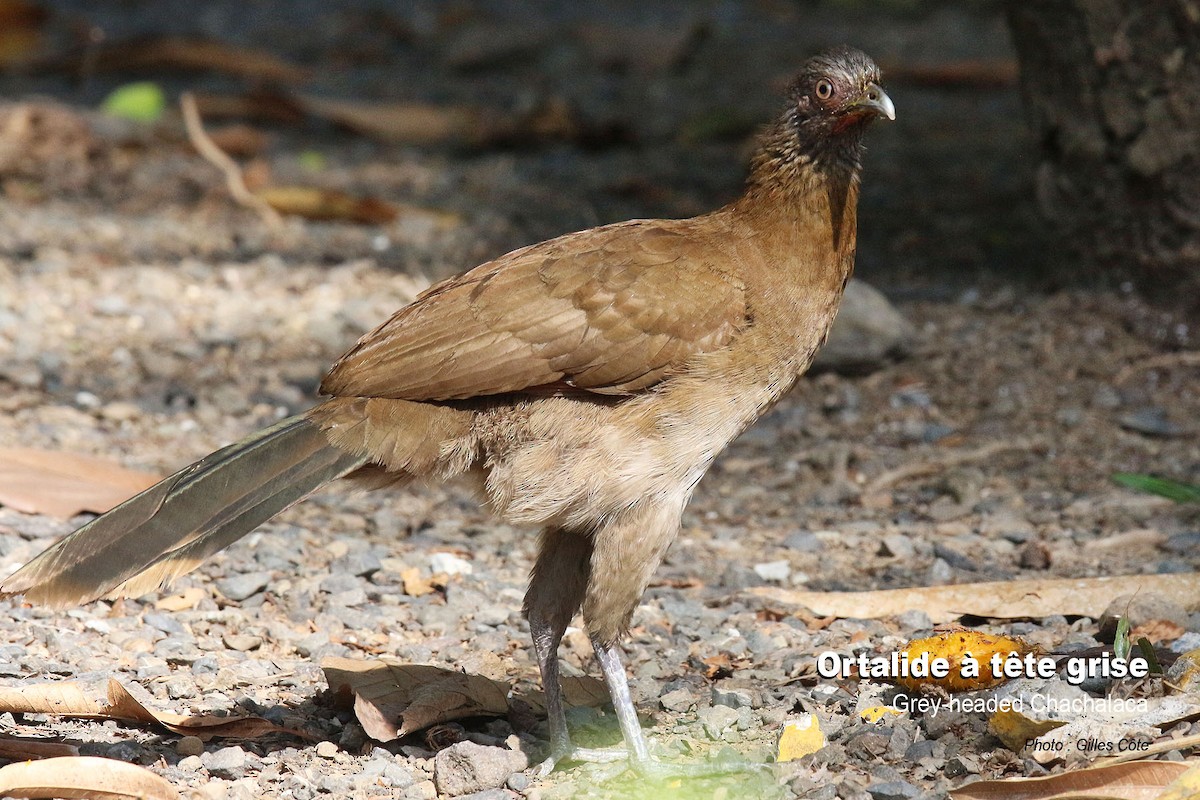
x,y
171,527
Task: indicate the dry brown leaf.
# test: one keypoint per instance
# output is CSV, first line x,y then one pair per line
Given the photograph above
x,y
423,123
64,484
83,777
399,123
1085,597
1157,631
326,204
19,748
393,700
184,601
578,691
1015,729
1142,780
414,584
73,699
188,54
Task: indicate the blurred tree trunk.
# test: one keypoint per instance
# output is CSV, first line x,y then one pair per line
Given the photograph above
x,y
1113,91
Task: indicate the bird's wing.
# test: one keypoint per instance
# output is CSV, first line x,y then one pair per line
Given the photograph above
x,y
610,310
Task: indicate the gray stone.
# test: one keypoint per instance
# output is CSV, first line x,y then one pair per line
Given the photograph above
x,y
716,720
467,767
914,620
803,542
777,571
488,794
228,763
337,785
166,623
678,700
893,790
1151,421
733,698
243,585
898,545
362,563
397,776
867,332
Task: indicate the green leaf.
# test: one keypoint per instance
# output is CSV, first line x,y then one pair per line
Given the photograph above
x,y
139,102
1165,487
1121,645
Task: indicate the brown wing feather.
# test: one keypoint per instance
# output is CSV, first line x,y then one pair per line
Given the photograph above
x,y
611,310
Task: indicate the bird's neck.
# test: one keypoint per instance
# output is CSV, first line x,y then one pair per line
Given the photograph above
x,y
797,193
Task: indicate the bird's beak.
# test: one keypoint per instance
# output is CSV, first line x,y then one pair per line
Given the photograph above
x,y
875,100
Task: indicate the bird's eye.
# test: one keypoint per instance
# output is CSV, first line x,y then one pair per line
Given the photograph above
x,y
824,89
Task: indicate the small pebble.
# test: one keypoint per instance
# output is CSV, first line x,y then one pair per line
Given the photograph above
x,y
449,564
189,746
777,571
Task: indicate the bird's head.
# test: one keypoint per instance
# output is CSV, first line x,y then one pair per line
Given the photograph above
x,y
829,105
837,93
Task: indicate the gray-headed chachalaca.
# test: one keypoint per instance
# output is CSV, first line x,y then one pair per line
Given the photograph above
x,y
588,382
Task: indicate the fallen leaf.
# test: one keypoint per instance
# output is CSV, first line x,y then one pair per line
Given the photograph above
x,y
1084,597
425,124
799,737
18,748
185,600
154,54
64,484
73,699
414,584
399,123
83,777
1158,631
326,204
393,700
1142,780
578,692
1015,729
1185,787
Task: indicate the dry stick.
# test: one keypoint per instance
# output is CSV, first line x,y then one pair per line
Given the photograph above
x,y
221,160
1189,358
907,471
1165,746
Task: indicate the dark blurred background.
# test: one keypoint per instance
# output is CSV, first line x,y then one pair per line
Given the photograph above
x,y
603,111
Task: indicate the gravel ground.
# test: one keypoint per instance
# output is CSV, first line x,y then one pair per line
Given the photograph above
x,y
144,319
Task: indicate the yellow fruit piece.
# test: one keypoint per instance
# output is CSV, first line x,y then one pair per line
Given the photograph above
x,y
799,737
876,713
969,655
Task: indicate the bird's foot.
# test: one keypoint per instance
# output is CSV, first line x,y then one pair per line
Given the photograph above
x,y
590,755
650,767
653,768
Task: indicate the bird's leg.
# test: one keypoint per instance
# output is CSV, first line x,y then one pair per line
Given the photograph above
x,y
609,656
556,588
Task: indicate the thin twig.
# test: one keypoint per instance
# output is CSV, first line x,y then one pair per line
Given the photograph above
x,y
214,155
920,468
1165,746
1186,358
